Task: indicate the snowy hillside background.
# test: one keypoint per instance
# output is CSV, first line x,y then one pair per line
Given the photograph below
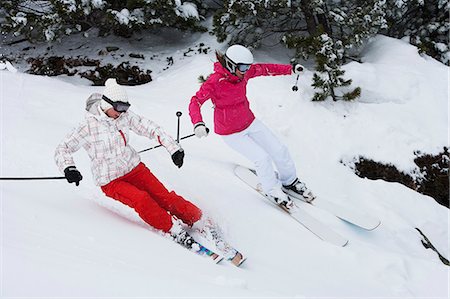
x,y
58,240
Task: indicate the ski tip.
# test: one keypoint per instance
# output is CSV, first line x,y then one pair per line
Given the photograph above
x,y
241,261
375,226
238,259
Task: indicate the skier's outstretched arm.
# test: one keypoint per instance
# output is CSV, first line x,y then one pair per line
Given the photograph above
x,y
63,153
268,69
147,128
205,92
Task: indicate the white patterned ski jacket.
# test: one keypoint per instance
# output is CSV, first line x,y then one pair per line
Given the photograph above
x,y
106,141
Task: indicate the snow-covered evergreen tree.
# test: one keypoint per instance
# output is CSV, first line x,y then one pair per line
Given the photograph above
x,y
329,78
47,20
425,22
311,27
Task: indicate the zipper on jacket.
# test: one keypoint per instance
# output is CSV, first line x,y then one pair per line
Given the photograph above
x,y
123,136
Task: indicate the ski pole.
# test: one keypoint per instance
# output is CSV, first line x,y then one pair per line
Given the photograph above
x,y
178,135
295,87
178,126
159,145
32,178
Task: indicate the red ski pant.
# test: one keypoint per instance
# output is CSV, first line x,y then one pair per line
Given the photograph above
x,y
142,191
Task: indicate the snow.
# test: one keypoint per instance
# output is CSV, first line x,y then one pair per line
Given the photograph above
x,y
124,16
59,240
20,18
70,5
187,10
49,34
98,3
8,66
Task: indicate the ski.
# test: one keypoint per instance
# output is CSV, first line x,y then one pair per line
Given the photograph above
x,y
297,213
211,233
236,259
205,252
232,255
188,242
352,216
363,221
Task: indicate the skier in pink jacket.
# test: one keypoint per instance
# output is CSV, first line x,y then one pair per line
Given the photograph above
x,y
239,128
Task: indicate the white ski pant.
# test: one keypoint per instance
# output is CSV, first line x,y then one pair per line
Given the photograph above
x,y
258,144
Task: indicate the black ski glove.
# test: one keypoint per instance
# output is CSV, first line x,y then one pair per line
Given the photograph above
x,y
73,175
178,157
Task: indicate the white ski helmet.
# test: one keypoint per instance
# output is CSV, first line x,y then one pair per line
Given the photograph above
x,y
237,55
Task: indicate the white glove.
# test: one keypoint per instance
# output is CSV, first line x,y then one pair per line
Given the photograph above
x,y
298,69
200,130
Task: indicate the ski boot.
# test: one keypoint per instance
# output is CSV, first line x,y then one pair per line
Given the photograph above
x,y
182,237
299,190
209,230
278,197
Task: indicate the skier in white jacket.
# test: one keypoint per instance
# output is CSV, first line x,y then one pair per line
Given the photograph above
x,y
118,170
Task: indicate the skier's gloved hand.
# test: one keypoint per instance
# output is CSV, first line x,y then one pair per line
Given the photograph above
x,y
298,69
200,130
73,175
178,157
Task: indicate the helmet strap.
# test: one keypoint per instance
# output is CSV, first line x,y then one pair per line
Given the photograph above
x,y
230,65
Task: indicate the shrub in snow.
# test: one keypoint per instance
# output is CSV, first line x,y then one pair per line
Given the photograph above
x,y
56,65
125,74
431,177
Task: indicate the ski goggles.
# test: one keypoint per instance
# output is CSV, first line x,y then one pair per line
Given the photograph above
x,y
119,106
243,67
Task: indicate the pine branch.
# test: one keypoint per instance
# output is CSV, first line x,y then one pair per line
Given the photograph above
x,y
353,58
17,41
24,7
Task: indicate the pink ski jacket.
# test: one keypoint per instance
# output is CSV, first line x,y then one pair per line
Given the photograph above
x,y
106,141
228,93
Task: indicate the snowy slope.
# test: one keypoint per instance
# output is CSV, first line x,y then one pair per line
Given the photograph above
x,y
58,240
